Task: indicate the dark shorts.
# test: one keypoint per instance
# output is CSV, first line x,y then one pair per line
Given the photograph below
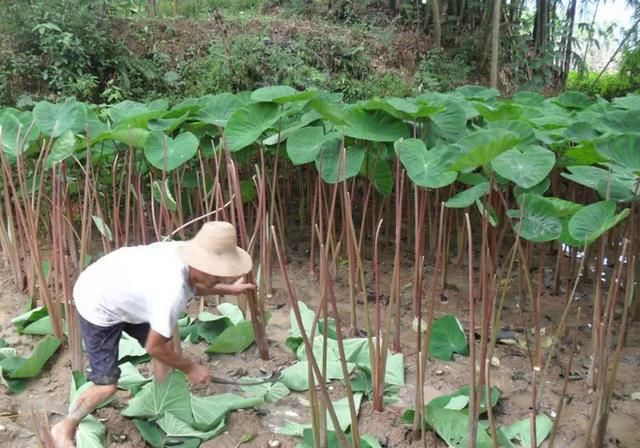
x,y
101,344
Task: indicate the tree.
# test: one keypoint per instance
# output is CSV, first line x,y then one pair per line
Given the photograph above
x,y
568,40
437,30
495,43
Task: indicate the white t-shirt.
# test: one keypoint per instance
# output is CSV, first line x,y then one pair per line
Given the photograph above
x,y
135,285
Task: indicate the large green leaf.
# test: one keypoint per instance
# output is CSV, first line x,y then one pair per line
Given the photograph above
x,y
231,311
519,127
151,433
619,121
589,176
631,101
296,377
623,150
281,94
527,168
374,126
482,147
500,112
248,123
573,100
136,137
479,93
168,153
452,427
520,431
217,109
55,119
467,197
540,221
90,433
447,338
304,145
22,321
589,223
529,98
459,399
379,173
12,133
209,411
427,168
135,114
451,122
130,376
129,347
30,367
332,160
269,392
561,208
155,399
175,427
234,339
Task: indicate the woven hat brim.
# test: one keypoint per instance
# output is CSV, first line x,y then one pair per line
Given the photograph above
x,y
232,264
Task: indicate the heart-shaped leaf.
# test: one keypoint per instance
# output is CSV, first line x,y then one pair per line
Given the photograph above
x,y
573,100
168,153
540,222
332,160
589,223
374,126
426,168
248,123
55,119
447,338
63,148
451,122
623,150
281,94
304,145
482,147
217,109
527,168
155,399
467,197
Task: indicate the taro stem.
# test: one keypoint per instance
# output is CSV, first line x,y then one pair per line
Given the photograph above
x,y
328,289
293,301
473,407
567,374
431,306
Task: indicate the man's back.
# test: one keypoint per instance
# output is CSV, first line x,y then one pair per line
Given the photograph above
x,y
135,284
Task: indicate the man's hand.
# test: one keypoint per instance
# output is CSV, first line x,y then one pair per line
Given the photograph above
x,y
199,374
235,289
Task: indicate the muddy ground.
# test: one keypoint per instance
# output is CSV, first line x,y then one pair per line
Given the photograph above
x,y
49,393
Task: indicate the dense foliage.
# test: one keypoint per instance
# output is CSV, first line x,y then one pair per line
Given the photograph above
x,y
142,50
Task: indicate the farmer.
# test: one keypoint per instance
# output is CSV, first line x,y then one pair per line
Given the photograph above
x,y
142,290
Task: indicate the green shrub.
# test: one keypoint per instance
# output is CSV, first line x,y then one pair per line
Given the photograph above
x,y
610,85
440,72
56,47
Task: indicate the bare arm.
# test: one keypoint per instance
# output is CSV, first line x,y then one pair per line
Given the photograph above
x,y
158,347
223,289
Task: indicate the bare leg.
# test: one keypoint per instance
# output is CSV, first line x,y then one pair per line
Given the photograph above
x,y
63,432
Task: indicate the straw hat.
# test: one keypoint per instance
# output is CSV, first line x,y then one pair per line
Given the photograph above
x,y
214,251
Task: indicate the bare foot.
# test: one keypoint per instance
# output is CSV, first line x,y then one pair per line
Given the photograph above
x,y
62,434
